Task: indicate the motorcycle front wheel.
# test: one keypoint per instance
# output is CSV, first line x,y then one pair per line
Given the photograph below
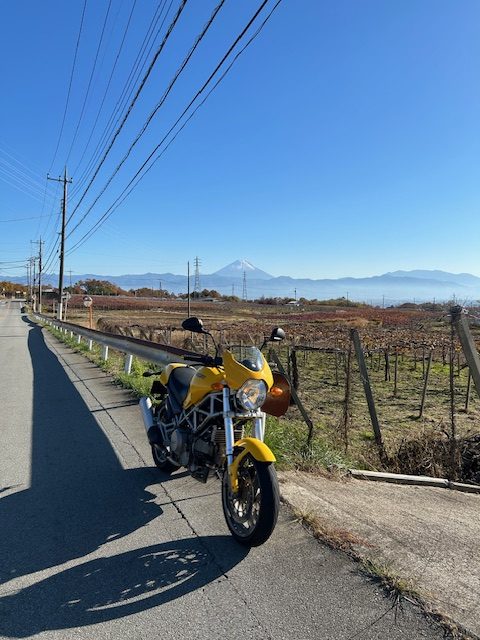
x,y
251,513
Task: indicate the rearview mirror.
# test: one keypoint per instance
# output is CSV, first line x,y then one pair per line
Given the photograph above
x,y
277,335
193,324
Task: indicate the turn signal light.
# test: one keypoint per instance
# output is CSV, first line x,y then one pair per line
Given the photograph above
x,y
217,386
276,392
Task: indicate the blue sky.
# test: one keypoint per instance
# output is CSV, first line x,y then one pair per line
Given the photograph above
x,y
343,142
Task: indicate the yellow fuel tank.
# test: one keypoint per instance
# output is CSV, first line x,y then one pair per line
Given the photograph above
x,y
165,375
201,384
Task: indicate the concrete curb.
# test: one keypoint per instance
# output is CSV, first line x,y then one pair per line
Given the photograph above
x,y
426,481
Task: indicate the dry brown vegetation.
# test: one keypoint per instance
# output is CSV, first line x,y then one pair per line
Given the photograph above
x,y
319,338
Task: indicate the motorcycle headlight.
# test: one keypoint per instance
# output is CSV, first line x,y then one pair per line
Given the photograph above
x,y
252,394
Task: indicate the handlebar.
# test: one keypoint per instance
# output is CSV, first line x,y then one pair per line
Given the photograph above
x,y
195,358
208,361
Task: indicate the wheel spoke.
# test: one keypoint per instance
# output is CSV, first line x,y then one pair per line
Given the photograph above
x,y
244,507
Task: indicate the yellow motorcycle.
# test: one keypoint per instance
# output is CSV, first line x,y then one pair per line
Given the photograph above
x,y
208,415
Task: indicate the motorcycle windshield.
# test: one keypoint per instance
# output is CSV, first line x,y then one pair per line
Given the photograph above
x,y
251,358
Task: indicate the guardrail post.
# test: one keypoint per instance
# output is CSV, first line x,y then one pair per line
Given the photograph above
x,y
71,334
105,352
90,345
128,363
79,339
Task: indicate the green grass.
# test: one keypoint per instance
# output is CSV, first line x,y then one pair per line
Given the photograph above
x,y
288,441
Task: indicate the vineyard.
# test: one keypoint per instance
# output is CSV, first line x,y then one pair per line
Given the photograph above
x,y
426,405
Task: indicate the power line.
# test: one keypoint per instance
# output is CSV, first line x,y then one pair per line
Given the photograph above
x,y
51,256
23,219
21,176
69,85
139,90
124,98
197,41
108,84
47,227
18,184
38,176
90,80
136,179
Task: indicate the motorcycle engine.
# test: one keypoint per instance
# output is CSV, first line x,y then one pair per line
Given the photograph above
x,y
180,446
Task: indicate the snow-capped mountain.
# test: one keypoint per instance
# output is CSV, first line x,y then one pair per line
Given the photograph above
x,y
237,268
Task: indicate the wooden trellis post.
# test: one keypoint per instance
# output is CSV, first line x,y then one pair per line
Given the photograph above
x,y
425,383
395,375
460,323
296,399
467,397
368,392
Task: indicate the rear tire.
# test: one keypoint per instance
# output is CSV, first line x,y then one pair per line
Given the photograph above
x,y
160,458
252,513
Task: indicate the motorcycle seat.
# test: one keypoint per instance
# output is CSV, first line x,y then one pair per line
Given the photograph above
x,y
178,384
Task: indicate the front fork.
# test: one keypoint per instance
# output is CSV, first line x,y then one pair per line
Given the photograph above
x,y
259,433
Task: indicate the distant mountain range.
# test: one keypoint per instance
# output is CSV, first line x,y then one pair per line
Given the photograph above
x,y
389,288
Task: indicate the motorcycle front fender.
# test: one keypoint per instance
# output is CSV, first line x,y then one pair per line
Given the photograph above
x,y
256,448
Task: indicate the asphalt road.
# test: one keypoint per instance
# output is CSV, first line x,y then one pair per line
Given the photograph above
x,y
96,543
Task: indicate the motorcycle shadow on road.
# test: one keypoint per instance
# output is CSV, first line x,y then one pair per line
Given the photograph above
x,y
109,588
81,498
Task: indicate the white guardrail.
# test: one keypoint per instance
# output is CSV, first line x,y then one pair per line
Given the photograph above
x,y
161,354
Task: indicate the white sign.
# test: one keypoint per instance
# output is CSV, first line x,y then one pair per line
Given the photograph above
x,y
87,301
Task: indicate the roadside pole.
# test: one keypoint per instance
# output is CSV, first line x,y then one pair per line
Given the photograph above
x,y
65,181
88,303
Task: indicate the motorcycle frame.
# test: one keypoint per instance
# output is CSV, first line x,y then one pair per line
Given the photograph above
x,y
198,419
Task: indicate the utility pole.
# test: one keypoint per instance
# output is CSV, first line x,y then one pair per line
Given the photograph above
x,y
65,181
244,292
34,282
28,279
188,289
40,244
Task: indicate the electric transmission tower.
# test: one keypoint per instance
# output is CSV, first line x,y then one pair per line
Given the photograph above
x,y
244,292
196,287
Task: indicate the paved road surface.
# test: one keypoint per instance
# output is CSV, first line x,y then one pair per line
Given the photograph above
x,y
94,543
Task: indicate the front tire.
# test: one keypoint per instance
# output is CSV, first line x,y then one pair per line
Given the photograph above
x,y
251,514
